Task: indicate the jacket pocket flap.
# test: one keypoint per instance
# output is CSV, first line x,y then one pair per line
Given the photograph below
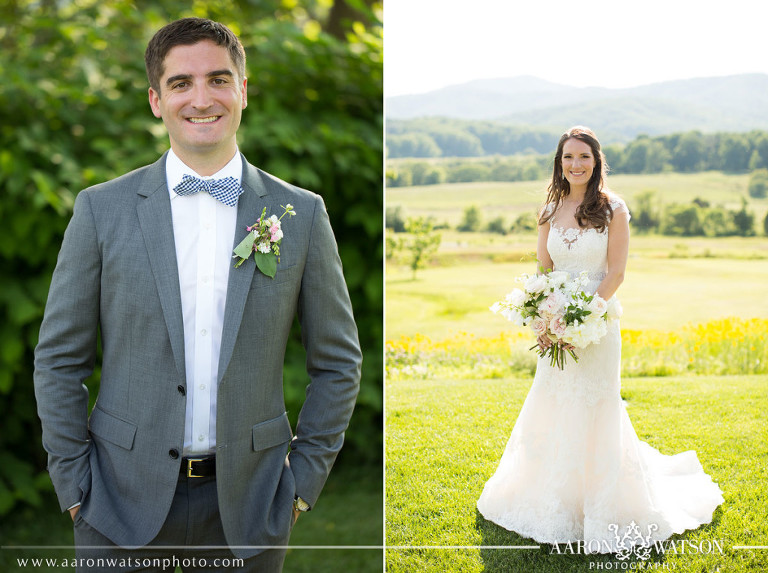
x,y
111,429
272,433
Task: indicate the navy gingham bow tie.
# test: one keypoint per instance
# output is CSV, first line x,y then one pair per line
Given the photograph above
x,y
226,190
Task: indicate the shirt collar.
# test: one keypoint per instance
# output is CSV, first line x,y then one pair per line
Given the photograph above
x,y
176,169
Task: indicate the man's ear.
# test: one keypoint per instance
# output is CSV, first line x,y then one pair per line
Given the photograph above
x,y
245,93
154,103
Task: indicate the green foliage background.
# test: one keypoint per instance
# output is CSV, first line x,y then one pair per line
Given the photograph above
x,y
74,112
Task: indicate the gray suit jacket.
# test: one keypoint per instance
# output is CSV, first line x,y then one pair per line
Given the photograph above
x,y
117,274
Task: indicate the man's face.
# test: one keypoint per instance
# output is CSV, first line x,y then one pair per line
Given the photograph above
x,y
201,101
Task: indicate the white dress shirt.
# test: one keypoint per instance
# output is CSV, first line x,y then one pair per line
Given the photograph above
x,y
204,232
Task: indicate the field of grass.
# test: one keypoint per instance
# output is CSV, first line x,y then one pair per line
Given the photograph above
x,y
445,437
660,291
447,202
344,516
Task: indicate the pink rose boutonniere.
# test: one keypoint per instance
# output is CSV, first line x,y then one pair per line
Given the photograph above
x,y
263,240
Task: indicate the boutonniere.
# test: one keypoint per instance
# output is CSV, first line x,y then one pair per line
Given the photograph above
x,y
263,240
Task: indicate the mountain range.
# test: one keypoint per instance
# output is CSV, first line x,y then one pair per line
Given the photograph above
x,y
730,103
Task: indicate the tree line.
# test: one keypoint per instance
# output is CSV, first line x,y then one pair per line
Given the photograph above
x,y
688,152
698,218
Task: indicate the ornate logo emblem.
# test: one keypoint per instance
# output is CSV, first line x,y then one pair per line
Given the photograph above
x,y
633,542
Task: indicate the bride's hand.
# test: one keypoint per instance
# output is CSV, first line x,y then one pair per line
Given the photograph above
x,y
545,342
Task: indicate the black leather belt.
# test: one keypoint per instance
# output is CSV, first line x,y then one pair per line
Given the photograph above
x,y
198,467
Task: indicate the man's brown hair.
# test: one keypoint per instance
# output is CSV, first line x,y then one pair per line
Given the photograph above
x,y
186,32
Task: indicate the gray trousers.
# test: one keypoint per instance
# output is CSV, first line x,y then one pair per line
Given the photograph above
x,y
193,521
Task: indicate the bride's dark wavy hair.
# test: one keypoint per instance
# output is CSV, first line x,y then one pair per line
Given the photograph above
x,y
595,210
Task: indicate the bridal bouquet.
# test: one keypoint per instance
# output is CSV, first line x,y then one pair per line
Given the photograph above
x,y
557,306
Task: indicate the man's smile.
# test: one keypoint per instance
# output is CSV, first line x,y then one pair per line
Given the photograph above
x,y
209,119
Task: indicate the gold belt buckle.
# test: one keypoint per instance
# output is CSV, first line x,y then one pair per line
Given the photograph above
x,y
189,467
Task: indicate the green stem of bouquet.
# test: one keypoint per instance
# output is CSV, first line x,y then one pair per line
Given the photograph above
x,y
556,354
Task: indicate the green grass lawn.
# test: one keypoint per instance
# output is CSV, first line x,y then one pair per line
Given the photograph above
x,y
668,283
445,437
348,513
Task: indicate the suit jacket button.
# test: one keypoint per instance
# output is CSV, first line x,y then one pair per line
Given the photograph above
x,y
181,390
174,453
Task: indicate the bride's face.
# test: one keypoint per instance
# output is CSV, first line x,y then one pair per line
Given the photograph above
x,y
578,163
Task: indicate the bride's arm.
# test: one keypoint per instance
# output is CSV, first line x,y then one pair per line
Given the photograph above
x,y
618,252
545,263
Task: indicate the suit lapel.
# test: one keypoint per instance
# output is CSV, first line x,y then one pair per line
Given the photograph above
x,y
154,213
249,208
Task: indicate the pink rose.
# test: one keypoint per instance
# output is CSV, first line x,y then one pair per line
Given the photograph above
x,y
557,326
553,303
539,326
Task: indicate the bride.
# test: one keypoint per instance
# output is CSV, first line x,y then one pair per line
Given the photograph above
x,y
574,469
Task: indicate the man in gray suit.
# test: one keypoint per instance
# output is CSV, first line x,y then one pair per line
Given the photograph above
x,y
188,442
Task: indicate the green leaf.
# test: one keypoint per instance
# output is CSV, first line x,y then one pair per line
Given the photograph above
x,y
244,249
267,263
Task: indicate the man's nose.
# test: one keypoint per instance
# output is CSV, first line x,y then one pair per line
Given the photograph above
x,y
201,97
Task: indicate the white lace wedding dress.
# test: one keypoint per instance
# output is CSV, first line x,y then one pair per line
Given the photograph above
x,y
574,469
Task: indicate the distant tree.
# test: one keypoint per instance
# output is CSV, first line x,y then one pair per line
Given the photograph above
x,y
418,171
472,220
412,145
531,172
645,212
682,220
434,175
744,220
454,142
614,156
758,184
506,171
761,147
395,219
468,173
525,223
636,155
420,243
765,224
718,222
399,177
390,246
734,152
657,158
755,161
688,155
645,155
497,225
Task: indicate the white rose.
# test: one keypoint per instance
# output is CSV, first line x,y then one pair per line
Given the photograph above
x,y
557,279
598,305
536,283
516,297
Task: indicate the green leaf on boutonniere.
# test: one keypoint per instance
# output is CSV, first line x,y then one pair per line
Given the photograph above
x,y
244,249
267,263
